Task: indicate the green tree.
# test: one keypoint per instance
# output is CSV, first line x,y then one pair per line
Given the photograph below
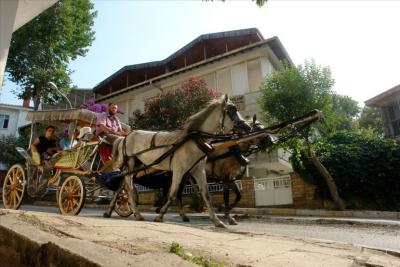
x,y
345,110
365,168
261,3
293,91
41,50
169,110
371,119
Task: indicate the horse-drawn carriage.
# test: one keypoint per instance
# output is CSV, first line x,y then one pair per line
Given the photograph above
x,y
69,173
182,153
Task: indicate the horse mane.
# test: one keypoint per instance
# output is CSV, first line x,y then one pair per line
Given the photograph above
x,y
195,121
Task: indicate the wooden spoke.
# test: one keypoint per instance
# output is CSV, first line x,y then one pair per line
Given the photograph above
x,y
14,199
75,202
19,189
17,196
9,179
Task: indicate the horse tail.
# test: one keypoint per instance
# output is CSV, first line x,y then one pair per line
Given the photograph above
x,y
117,153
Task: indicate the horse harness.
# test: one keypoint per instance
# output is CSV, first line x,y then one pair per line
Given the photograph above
x,y
233,151
200,138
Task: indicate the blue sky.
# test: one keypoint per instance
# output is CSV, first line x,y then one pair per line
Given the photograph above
x,y
359,40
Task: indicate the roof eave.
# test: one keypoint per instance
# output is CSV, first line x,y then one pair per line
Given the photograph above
x,y
180,51
283,56
379,100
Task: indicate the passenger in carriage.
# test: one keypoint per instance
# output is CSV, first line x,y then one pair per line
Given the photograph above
x,y
68,140
45,145
74,140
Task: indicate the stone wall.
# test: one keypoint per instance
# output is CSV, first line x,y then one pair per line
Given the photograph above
x,y
305,196
147,198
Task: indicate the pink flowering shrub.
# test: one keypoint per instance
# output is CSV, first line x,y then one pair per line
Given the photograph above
x,y
169,110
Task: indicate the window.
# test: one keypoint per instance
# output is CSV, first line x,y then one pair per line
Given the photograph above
x,y
239,79
396,128
4,119
266,67
224,82
254,70
393,112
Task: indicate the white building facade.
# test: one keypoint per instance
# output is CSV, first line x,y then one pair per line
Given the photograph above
x,y
11,118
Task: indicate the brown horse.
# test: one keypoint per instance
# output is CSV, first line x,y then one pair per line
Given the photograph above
x,y
225,167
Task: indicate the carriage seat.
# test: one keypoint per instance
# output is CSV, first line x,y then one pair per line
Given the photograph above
x,y
105,150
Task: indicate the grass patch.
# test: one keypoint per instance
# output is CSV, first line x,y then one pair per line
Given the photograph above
x,y
177,249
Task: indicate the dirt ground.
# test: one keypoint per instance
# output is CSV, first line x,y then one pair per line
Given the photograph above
x,y
116,242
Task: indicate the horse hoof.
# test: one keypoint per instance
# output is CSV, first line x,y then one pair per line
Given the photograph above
x,y
106,215
139,218
158,210
220,225
185,219
158,219
232,221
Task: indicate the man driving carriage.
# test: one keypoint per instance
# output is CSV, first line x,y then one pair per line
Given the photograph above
x,y
109,125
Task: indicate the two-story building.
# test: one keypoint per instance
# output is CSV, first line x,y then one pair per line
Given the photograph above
x,y
12,117
234,63
389,104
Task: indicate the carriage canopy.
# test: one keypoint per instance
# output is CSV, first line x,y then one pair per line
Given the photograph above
x,y
84,117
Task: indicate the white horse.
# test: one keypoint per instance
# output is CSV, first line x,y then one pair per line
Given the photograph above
x,y
187,157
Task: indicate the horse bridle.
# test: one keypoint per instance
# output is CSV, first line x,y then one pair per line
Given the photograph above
x,y
231,110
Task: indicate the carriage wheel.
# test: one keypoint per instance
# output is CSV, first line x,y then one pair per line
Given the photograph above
x,y
71,196
122,207
14,187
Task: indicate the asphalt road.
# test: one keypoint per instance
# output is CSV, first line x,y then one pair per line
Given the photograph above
x,y
382,234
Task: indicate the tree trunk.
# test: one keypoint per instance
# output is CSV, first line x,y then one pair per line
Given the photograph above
x,y
36,92
328,179
36,102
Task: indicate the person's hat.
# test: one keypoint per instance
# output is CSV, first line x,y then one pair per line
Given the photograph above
x,y
83,131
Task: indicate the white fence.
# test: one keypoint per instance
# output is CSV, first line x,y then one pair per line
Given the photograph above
x,y
212,187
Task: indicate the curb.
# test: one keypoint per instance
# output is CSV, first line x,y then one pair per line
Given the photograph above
x,y
24,251
319,213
